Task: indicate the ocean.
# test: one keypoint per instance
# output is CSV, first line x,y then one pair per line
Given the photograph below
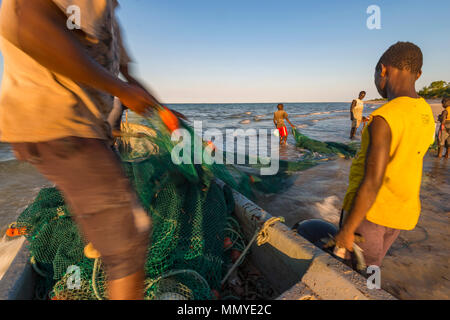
x,y
316,193
19,182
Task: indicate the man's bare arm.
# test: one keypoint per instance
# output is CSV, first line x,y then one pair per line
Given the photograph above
x,y
375,169
43,35
351,109
287,119
444,116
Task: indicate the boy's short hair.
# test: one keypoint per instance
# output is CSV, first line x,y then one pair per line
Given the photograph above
x,y
403,56
446,101
280,106
362,92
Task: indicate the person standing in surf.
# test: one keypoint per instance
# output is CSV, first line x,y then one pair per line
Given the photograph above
x,y
385,177
356,113
444,129
278,119
58,89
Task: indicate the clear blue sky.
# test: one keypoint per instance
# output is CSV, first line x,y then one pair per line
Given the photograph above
x,y
271,51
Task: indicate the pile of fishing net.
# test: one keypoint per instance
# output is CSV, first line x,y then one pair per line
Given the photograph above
x,y
191,213
324,148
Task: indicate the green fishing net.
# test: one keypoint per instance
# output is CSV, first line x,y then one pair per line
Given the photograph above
x,y
324,148
191,213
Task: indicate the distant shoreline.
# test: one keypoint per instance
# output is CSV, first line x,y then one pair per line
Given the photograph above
x,y
435,104
376,101
372,101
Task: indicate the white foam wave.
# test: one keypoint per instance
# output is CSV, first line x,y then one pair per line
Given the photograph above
x,y
328,209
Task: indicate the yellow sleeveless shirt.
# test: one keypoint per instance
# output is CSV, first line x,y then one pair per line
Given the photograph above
x,y
397,204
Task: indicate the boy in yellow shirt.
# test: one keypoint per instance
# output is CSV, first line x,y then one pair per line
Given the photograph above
x,y
384,183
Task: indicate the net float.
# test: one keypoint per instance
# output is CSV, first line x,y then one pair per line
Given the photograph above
x,y
227,243
16,232
169,119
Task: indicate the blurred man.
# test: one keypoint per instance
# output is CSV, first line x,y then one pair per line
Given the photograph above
x,y
444,129
384,184
57,91
278,119
356,113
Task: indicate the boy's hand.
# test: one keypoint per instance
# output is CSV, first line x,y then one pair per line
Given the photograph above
x,y
345,239
137,99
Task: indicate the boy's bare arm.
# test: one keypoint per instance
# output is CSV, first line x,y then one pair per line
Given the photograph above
x,y
376,163
43,35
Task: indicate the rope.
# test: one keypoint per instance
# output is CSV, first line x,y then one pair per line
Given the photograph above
x,y
94,283
262,236
151,282
175,272
231,219
36,268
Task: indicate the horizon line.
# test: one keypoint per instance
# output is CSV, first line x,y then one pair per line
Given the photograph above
x,y
283,102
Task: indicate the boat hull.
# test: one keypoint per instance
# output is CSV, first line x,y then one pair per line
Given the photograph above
x,y
291,264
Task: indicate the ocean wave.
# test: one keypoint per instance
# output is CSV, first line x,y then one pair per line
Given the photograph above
x,y
317,113
9,163
6,153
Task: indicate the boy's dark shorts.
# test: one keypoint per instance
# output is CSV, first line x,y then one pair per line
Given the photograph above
x,y
102,202
377,240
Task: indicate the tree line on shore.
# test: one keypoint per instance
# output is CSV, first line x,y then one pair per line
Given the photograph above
x,y
436,90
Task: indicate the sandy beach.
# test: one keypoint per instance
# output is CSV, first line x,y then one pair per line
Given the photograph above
x,y
416,267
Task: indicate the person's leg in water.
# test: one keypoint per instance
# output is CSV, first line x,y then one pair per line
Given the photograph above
x,y
353,129
441,140
355,125
352,133
447,141
103,204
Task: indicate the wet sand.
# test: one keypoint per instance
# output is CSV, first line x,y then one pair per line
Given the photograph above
x,y
417,265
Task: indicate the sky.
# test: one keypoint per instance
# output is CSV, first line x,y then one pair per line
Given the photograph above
x,y
211,51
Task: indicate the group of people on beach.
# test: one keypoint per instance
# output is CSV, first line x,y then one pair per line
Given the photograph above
x,y
58,90
356,116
